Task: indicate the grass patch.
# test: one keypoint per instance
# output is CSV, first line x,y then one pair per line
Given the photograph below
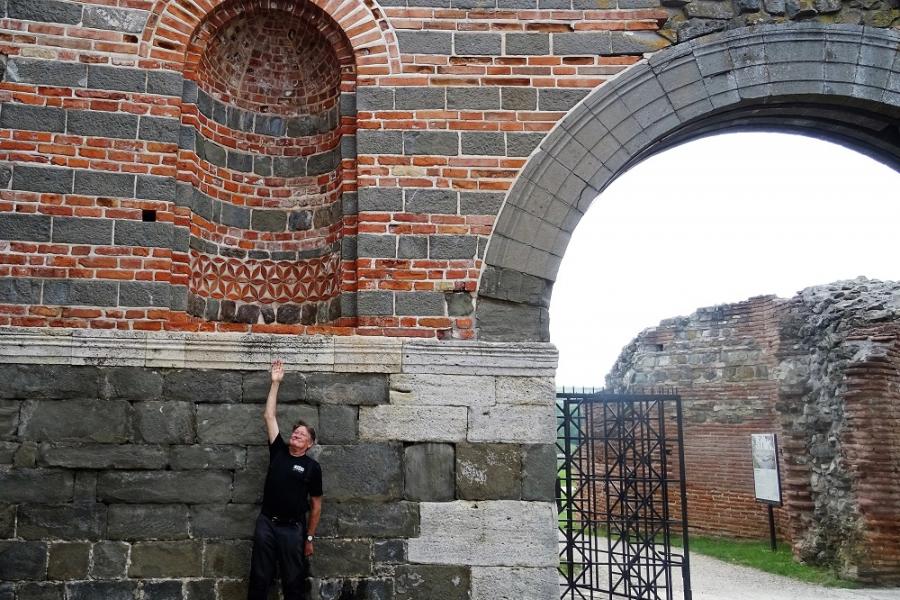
x,y
758,554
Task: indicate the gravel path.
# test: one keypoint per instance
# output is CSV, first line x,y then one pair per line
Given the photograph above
x,y
713,579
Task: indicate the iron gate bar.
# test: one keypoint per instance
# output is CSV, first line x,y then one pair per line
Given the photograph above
x,y
629,434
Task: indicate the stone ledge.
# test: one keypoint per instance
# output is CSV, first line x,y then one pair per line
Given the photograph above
x,y
351,354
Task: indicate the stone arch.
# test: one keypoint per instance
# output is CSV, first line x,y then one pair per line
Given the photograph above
x,y
835,81
172,23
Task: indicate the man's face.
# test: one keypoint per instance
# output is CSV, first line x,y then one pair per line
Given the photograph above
x,y
300,440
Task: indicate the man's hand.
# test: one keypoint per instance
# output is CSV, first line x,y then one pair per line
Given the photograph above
x,y
277,371
308,549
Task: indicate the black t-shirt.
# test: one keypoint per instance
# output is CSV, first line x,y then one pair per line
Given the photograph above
x,y
289,481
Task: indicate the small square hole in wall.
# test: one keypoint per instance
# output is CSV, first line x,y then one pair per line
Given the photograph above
x,y
659,347
148,216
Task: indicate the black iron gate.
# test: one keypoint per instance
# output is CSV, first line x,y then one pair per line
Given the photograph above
x,y
621,497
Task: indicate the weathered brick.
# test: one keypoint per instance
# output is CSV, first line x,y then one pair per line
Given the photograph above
x,y
116,78
102,124
32,228
32,118
100,183
42,179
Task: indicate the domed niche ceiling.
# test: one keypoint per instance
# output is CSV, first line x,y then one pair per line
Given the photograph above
x,y
263,153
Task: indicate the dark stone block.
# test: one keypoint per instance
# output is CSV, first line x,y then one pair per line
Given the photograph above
x,y
200,589
110,559
262,165
429,201
268,220
14,290
68,561
9,419
115,19
267,313
146,234
108,590
324,162
539,469
483,143
582,44
247,313
45,72
519,98
7,520
522,144
420,303
22,560
425,42
163,590
441,143
338,424
100,183
102,456
202,386
270,125
361,472
48,381
147,522
452,246
165,83
187,138
6,173
47,11
42,179
27,227
80,293
166,559
151,187
211,152
414,582
389,551
130,383
560,99
288,314
32,118
78,230
163,487
341,558
235,216
420,98
102,124
466,98
243,424
429,472
204,104
412,247
537,44
212,310
232,589
376,246
239,161
289,166
227,311
346,388
227,559
38,591
460,304
488,471
144,293
371,141
230,521
238,119
365,520
102,421
477,44
102,77
480,203
159,129
372,98
375,303
208,457
66,521
165,422
299,220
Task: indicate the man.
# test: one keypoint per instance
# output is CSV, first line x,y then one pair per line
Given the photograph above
x,y
293,483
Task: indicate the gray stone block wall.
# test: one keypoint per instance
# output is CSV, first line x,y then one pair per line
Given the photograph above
x,y
125,480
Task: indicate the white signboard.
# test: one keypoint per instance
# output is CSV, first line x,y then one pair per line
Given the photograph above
x,y
766,478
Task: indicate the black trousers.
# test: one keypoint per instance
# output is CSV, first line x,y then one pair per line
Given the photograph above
x,y
277,544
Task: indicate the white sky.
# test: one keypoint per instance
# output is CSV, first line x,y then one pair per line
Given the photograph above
x,y
714,221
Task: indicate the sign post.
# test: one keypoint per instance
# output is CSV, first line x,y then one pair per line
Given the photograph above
x,y
766,475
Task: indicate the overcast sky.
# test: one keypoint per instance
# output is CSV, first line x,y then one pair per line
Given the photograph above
x,y
718,220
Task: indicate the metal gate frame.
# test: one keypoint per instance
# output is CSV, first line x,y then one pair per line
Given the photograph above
x,y
614,497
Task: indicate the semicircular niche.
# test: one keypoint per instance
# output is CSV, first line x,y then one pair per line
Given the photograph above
x,y
261,146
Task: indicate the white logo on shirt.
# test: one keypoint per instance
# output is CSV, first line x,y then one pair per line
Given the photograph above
x,y
299,469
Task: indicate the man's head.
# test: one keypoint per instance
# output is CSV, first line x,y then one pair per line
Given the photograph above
x,y
303,437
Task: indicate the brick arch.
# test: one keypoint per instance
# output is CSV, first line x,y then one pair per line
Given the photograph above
x,y
839,82
172,23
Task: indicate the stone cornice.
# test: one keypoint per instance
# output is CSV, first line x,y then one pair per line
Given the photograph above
x,y
350,354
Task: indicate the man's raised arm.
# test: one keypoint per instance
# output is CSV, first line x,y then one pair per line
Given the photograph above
x,y
272,400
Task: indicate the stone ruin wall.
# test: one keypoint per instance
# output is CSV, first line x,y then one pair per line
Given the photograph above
x,y
821,371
